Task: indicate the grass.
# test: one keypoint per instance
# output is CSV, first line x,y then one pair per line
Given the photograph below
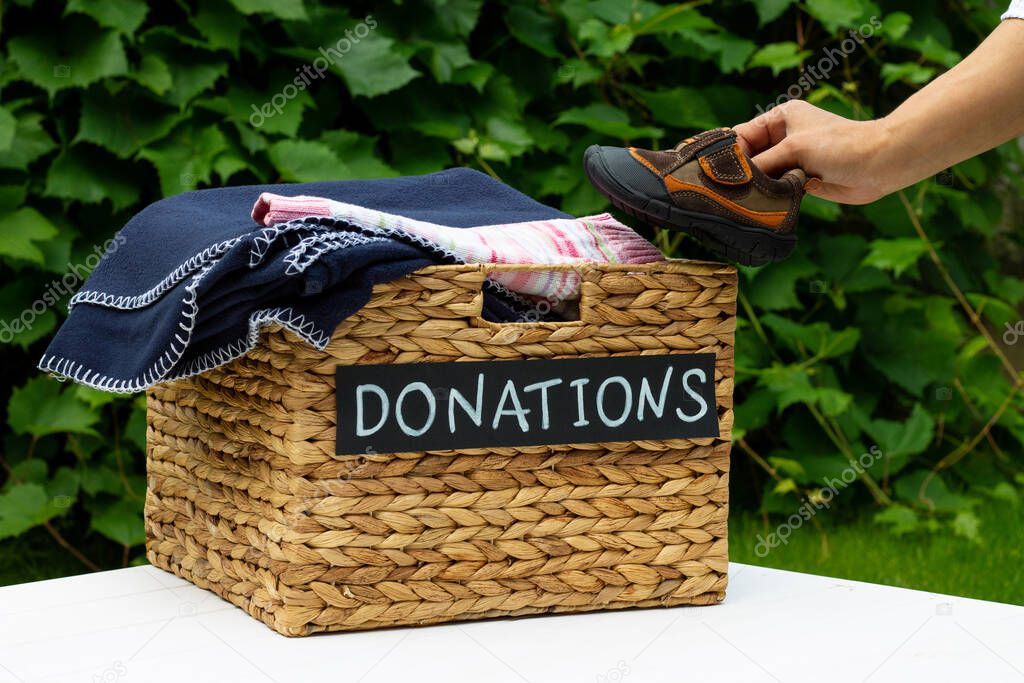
x,y
863,551
859,550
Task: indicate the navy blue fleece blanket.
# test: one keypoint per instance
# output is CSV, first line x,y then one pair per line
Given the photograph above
x,y
190,279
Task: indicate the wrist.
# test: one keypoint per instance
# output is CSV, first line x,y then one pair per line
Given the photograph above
x,y
886,156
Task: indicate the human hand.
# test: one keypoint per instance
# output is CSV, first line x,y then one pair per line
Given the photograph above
x,y
843,158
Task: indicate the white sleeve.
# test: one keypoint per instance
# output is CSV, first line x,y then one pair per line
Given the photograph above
x,y
1016,10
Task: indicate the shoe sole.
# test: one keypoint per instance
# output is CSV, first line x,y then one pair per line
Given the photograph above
x,y
740,243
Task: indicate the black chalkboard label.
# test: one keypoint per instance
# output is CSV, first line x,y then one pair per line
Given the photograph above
x,y
436,406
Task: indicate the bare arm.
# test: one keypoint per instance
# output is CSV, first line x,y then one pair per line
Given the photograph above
x,y
973,107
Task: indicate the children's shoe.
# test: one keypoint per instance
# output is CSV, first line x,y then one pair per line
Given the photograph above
x,y
707,187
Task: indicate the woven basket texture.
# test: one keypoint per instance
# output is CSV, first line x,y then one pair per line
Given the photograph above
x,y
246,497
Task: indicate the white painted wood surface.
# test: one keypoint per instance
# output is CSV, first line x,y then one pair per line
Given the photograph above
x,y
143,624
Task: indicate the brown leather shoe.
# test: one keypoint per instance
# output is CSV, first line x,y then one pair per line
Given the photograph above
x,y
707,187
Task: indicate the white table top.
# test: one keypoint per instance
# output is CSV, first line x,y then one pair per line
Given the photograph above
x,y
143,624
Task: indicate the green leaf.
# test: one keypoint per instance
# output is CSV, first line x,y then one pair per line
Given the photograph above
x,y
546,138
125,16
135,428
1007,287
779,57
153,73
578,72
788,467
40,408
228,163
602,41
447,58
912,359
413,154
680,107
816,340
476,74
192,75
8,124
253,109
100,478
911,353
731,52
607,120
283,9
555,180
753,412
901,519
20,325
93,397
612,11
889,217
907,72
934,51
1005,491
512,136
998,312
833,402
21,230
21,508
895,25
62,490
898,441
967,524
460,15
677,18
121,522
358,154
789,384
533,29
925,489
836,14
74,55
29,143
56,256
306,161
220,24
374,66
792,384
412,109
77,174
770,10
124,125
820,208
584,200
895,254
186,158
11,197
34,471
785,486
774,288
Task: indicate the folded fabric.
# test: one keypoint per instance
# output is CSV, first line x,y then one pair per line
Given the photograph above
x,y
191,280
600,239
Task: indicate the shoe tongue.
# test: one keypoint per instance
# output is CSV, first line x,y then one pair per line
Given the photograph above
x,y
701,140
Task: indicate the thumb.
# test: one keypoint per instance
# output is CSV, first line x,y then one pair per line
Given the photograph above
x,y
778,159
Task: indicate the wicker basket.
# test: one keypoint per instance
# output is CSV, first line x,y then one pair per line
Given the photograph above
x,y
247,498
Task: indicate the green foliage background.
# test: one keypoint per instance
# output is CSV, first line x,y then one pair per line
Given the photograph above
x,y
861,340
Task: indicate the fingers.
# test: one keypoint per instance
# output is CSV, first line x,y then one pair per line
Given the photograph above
x,y
763,131
777,160
751,137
